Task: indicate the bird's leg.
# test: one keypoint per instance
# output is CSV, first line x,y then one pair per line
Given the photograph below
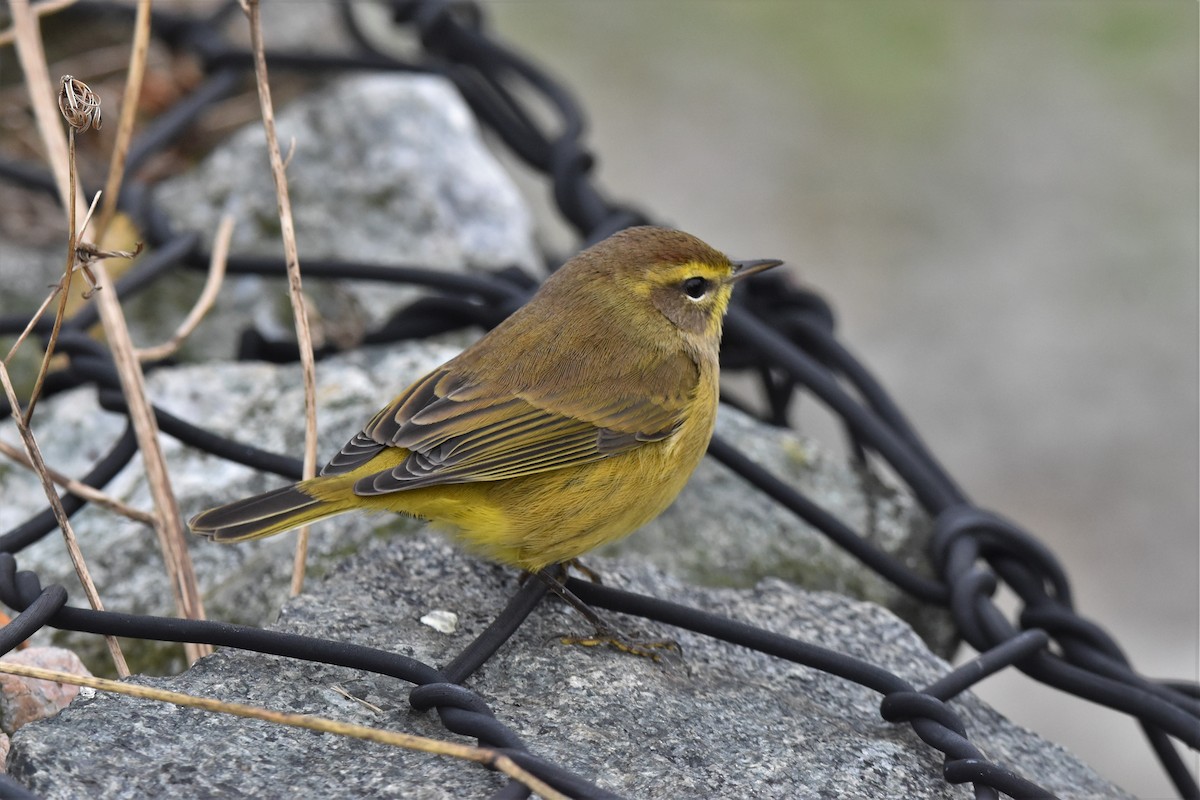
x,y
605,634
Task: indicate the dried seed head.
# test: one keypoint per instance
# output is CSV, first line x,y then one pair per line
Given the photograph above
x,y
80,106
87,254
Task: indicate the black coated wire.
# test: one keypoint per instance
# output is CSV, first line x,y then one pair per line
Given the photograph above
x,y
43,522
783,334
897,572
932,720
460,710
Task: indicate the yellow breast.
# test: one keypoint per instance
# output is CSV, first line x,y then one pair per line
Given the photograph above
x,y
543,519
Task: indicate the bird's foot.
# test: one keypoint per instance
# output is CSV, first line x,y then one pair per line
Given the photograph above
x,y
657,650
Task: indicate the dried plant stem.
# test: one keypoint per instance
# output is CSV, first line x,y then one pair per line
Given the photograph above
x,y
129,103
35,458
79,489
64,284
170,526
208,296
299,312
41,9
32,57
480,755
12,351
63,289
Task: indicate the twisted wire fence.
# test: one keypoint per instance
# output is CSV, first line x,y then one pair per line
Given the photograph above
x,y
783,334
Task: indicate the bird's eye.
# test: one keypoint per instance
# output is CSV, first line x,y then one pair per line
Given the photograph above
x,y
696,288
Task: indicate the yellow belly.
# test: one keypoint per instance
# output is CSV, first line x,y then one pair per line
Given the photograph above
x,y
550,517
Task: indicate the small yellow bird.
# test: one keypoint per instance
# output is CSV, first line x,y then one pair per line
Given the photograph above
x,y
571,424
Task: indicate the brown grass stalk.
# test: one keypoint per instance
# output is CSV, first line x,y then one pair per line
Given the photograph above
x,y
32,57
480,755
171,536
129,106
9,36
64,286
39,465
12,351
78,488
295,293
169,527
208,295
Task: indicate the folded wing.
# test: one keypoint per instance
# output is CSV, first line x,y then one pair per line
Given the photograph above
x,y
456,431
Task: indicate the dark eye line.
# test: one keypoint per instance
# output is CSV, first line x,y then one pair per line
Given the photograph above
x,y
696,288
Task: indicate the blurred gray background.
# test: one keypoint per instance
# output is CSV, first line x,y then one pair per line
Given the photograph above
x,y
1000,200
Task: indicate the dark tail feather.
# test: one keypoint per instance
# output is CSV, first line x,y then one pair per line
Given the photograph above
x,y
262,515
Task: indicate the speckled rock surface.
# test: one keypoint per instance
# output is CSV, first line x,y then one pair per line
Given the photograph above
x,y
721,531
722,722
249,402
388,169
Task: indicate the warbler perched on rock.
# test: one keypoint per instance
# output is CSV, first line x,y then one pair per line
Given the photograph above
x,y
571,424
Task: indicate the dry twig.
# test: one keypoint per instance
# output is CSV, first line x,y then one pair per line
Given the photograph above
x,y
78,488
172,538
9,36
35,458
295,293
37,80
169,528
41,91
480,755
12,351
129,103
63,289
370,706
208,296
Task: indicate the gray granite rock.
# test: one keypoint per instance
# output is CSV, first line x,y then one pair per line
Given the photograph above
x,y
259,404
387,169
721,722
720,532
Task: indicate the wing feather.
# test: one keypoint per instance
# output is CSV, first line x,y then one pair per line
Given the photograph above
x,y
457,430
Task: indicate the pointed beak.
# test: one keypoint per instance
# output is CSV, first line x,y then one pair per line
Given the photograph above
x,y
744,269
